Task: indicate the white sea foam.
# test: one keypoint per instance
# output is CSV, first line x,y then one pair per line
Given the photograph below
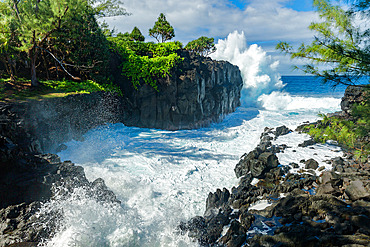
x,y
283,101
164,177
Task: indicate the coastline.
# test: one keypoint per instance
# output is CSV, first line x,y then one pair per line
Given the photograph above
x,y
42,171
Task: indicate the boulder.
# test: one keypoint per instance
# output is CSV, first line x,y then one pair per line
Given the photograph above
x,y
256,162
356,191
235,235
307,143
311,164
282,130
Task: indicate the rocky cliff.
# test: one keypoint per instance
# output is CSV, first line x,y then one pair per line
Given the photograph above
x,y
198,92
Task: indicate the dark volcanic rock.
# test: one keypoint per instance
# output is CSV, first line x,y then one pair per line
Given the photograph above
x,y
29,178
311,164
256,162
235,236
48,123
217,199
198,92
356,190
282,130
352,95
307,143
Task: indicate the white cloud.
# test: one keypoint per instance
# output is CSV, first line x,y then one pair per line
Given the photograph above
x,y
262,21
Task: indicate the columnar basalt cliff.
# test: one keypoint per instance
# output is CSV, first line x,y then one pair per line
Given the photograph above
x,y
198,92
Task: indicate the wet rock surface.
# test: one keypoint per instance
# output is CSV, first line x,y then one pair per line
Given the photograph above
x,y
303,209
29,178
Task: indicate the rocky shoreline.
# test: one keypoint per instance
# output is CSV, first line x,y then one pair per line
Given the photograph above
x,y
29,178
296,204
303,209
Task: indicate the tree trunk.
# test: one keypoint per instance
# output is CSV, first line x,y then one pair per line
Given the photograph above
x,y
32,55
8,67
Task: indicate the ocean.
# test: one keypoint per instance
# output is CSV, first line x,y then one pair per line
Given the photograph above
x,y
164,177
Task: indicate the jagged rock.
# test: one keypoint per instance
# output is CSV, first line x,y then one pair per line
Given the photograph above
x,y
294,165
311,164
338,161
217,199
326,189
235,235
257,162
29,178
282,130
356,191
352,95
307,143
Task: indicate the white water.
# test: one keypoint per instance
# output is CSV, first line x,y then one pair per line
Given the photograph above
x,y
163,177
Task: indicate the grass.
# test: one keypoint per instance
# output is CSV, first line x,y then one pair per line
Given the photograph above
x,y
21,89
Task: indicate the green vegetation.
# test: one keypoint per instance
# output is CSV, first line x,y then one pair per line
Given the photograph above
x,y
340,43
162,30
202,46
145,62
50,89
61,40
55,38
342,46
351,134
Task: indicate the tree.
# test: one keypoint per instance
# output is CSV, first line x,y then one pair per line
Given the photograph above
x,y
162,30
7,38
36,21
32,24
137,35
341,45
202,46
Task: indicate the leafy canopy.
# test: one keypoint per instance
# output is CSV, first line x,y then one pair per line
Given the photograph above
x,y
341,45
146,62
137,35
162,30
29,27
202,46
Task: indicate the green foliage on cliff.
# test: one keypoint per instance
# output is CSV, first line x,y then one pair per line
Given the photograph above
x,y
146,62
20,90
88,86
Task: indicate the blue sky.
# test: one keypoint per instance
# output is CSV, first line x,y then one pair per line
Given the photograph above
x,y
264,22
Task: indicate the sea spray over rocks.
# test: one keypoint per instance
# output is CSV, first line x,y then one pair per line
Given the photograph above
x,y
258,70
29,179
304,208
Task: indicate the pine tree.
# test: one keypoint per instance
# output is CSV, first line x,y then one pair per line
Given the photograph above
x,y
162,30
340,45
137,35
